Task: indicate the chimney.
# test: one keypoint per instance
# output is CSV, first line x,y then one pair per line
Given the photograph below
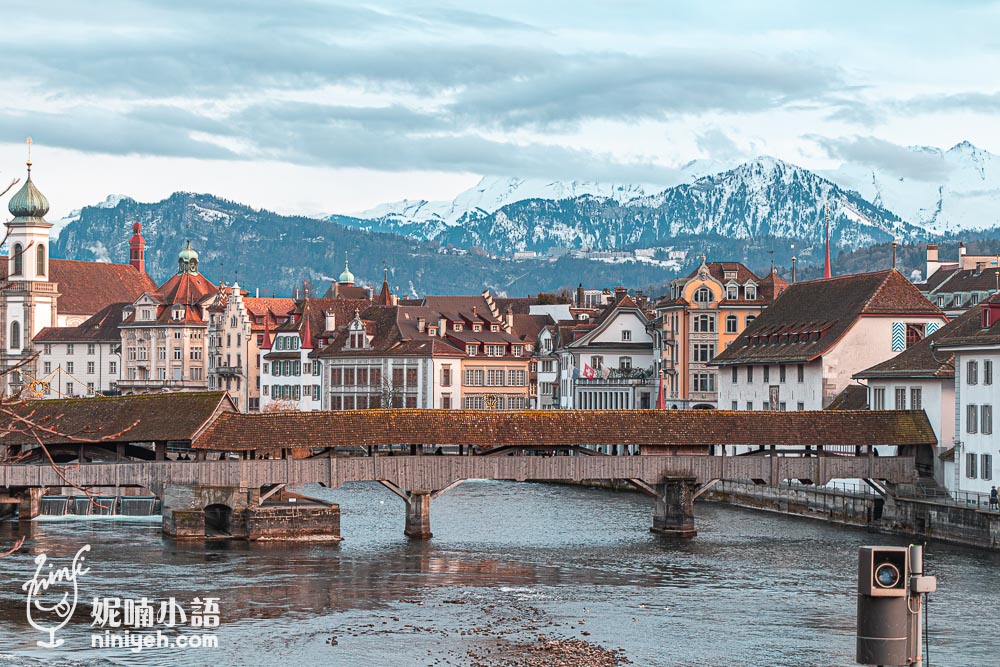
x,y
330,321
580,296
508,320
421,324
620,292
475,313
979,267
961,250
442,326
932,259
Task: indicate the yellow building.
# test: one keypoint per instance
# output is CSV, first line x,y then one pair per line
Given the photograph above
x,y
702,315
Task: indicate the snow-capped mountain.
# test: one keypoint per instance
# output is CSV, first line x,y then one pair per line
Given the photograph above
x,y
762,198
958,189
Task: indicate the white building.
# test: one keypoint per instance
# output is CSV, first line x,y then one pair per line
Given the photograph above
x,y
975,343
803,350
84,360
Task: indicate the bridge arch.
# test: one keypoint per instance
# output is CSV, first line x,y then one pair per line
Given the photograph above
x,y
218,519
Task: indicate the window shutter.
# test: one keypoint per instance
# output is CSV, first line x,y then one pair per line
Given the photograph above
x,y
932,327
898,336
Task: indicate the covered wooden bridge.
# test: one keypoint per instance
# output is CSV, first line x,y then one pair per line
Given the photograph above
x,y
198,439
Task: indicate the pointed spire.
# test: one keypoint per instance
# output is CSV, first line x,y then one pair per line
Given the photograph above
x,y
385,296
827,269
306,332
266,345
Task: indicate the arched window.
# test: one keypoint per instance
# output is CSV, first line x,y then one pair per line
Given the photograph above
x,y
732,324
703,295
40,260
15,336
18,254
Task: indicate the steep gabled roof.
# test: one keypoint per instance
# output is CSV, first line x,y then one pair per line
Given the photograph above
x,y
87,287
100,328
969,329
810,317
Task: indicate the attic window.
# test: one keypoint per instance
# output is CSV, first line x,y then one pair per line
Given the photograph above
x,y
457,327
732,292
915,333
494,327
729,275
432,330
750,291
477,327
178,313
703,295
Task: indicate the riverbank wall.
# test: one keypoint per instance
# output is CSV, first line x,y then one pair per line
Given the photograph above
x,y
946,521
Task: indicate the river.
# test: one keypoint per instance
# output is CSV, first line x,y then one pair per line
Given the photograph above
x,y
508,562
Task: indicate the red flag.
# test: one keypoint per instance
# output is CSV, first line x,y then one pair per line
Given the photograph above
x,y
588,372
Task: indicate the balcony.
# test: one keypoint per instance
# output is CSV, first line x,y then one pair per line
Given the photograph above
x,y
154,383
229,371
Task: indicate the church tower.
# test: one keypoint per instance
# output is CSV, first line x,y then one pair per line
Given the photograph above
x,y
27,299
137,248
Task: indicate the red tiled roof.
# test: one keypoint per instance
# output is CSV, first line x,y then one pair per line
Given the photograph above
x,y
87,287
188,289
564,427
969,330
810,317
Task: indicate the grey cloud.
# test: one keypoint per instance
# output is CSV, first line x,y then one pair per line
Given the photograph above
x,y
718,144
899,160
977,102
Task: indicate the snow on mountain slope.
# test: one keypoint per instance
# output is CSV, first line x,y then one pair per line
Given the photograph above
x,y
961,191
110,202
493,193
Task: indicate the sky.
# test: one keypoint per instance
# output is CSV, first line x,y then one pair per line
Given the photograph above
x,y
321,107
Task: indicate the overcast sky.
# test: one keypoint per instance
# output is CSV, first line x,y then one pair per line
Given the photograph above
x,y
308,107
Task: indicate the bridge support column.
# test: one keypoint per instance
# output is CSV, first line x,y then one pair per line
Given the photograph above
x,y
418,515
674,513
31,504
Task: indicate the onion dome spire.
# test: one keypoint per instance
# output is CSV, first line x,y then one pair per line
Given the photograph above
x,y
187,260
346,278
28,204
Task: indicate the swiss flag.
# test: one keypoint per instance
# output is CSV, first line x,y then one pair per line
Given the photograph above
x,y
588,372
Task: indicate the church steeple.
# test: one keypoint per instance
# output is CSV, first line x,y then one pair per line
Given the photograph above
x,y
187,260
137,248
28,232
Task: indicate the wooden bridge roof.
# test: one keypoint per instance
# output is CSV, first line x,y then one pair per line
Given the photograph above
x,y
177,417
234,432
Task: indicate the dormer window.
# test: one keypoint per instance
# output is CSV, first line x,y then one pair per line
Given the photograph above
x,y
432,330
458,326
750,291
477,327
146,314
703,295
494,328
729,275
177,313
732,291
472,350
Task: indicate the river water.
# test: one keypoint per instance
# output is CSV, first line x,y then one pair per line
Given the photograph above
x,y
508,562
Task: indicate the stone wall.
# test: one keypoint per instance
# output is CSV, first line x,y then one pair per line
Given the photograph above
x,y
957,524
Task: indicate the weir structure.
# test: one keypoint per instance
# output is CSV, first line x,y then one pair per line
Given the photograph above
x,y
201,457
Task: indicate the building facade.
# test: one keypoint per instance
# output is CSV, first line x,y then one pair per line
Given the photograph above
x,y
704,313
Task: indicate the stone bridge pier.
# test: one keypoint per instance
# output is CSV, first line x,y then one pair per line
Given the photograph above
x,y
418,507
674,512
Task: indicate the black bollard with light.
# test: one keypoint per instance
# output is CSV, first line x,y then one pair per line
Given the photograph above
x,y
891,582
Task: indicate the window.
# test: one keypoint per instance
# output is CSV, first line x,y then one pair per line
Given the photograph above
x,y
178,354
475,378
749,405
732,292
446,401
90,368
471,350
781,373
878,398
704,323
69,388
494,350
195,354
47,367
767,374
597,362
971,418
69,367
986,466
446,376
800,407
801,371
547,366
626,335
703,295
750,291
735,375
515,378
970,466
987,371
15,335
750,318
782,406
972,372
735,406
625,363
900,398
732,324
704,382
113,367
914,334
703,352
47,349
749,373
986,421
91,348
916,398
90,387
